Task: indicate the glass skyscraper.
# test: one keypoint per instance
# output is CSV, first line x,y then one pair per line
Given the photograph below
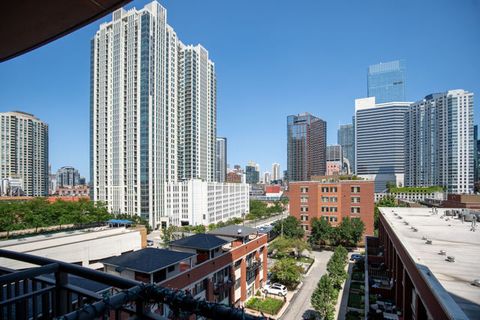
x,y
380,141
346,138
306,150
386,81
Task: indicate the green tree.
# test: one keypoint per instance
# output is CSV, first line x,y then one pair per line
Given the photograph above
x,y
286,246
291,228
336,266
323,297
350,231
287,272
387,201
321,231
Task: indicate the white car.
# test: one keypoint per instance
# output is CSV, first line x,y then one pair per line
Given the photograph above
x,y
276,289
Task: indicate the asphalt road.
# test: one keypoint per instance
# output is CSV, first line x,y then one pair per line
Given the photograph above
x,y
301,301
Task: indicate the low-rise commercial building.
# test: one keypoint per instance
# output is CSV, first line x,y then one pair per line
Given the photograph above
x,y
227,265
332,199
85,247
411,196
424,260
197,202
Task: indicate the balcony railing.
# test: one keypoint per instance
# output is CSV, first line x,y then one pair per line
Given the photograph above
x,y
222,286
255,264
47,291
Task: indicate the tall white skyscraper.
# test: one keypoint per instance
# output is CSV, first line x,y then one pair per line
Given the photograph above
x,y
439,142
197,114
267,177
24,152
276,171
153,105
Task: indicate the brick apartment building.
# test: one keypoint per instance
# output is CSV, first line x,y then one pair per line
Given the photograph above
x,y
333,199
227,265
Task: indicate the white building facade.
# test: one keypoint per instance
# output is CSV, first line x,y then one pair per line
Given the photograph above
x,y
197,202
153,112
24,152
439,142
276,175
380,141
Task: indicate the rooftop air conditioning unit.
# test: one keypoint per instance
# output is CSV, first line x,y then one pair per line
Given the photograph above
x,y
451,259
428,242
476,282
442,252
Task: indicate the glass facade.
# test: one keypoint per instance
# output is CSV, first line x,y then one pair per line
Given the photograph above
x,y
346,138
386,81
306,147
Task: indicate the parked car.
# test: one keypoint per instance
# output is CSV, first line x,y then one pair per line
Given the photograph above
x,y
356,257
276,289
149,243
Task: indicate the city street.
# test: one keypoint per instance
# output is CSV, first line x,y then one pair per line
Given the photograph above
x,y
259,223
301,302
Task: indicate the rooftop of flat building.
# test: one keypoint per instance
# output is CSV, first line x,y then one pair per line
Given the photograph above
x,y
452,237
202,241
234,231
148,260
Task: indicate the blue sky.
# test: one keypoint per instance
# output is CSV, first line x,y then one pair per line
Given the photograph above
x,y
273,58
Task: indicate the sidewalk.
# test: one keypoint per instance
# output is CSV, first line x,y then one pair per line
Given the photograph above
x,y
342,302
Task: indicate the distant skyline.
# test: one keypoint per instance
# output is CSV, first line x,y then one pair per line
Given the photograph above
x,y
273,59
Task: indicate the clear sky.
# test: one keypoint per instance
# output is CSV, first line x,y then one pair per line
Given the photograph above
x,y
273,58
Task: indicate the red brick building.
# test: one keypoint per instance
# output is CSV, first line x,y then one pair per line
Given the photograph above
x,y
227,265
333,199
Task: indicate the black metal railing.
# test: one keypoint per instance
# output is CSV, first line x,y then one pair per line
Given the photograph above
x,y
46,291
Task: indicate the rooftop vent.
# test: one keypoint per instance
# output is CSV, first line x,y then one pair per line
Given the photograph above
x,y
424,238
442,252
414,229
239,231
476,282
451,259
428,241
405,222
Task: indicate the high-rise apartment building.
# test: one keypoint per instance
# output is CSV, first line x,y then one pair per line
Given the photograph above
x,y
276,175
334,152
267,177
252,174
306,147
153,112
475,154
221,160
67,177
380,141
440,142
24,151
346,138
197,114
386,81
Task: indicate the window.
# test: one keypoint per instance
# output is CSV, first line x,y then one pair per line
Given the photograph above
x,y
333,209
304,209
333,189
171,268
303,218
238,264
238,283
325,199
355,199
303,189
324,189
324,209
304,199
355,210
333,199
333,219
355,189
